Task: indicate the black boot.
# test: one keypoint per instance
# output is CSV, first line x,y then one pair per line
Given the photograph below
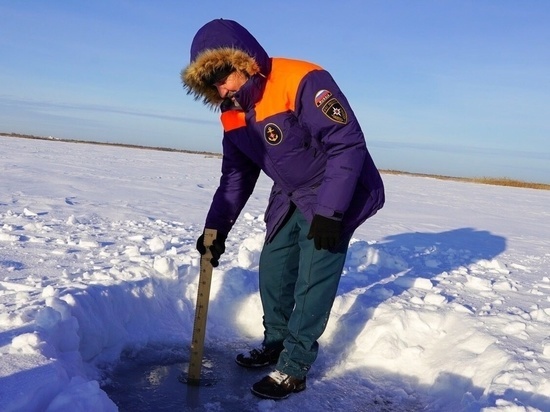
x,y
278,385
257,358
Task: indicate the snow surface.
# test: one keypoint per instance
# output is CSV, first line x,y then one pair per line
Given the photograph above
x,y
444,304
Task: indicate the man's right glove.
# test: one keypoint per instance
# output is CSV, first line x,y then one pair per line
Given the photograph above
x,y
217,247
325,232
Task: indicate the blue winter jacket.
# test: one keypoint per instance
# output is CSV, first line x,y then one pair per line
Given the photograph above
x,y
294,124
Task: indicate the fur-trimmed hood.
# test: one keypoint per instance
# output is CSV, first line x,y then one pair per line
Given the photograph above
x,y
217,44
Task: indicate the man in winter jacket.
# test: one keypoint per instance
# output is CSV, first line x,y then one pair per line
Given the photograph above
x,y
289,119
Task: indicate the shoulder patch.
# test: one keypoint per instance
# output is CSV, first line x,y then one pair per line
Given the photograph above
x,y
273,134
334,111
322,96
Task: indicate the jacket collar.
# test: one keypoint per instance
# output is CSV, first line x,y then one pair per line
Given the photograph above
x,y
251,92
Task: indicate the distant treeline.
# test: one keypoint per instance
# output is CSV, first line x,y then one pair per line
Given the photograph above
x,y
134,146
483,180
495,181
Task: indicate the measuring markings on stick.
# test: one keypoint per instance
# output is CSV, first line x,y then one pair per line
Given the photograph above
x,y
201,311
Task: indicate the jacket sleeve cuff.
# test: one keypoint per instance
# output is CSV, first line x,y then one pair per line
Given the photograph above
x,y
328,212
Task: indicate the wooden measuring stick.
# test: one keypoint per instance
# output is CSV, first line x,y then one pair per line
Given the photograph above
x,y
201,311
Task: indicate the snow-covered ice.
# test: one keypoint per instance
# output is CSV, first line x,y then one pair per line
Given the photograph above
x,y
444,304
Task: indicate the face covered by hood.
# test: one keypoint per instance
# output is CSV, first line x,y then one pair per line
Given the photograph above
x,y
217,46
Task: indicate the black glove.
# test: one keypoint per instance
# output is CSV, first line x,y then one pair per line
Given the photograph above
x,y
217,247
325,232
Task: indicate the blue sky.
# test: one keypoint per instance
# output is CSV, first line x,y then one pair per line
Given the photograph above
x,y
460,88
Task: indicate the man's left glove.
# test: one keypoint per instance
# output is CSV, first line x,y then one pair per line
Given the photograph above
x,y
325,232
217,248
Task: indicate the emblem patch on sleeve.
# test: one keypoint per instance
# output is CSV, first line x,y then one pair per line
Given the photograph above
x,y
273,134
322,96
334,111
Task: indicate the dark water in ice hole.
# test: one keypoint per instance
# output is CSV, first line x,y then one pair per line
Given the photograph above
x,y
148,381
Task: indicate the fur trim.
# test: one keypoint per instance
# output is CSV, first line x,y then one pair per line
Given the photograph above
x,y
209,61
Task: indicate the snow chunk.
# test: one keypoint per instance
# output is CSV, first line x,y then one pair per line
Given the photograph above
x,y
474,282
47,318
434,299
28,213
17,287
72,220
249,251
418,283
502,405
26,343
504,285
132,251
4,237
166,267
364,256
494,265
49,291
88,244
157,245
82,395
514,328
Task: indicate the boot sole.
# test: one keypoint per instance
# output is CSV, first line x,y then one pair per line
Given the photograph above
x,y
254,366
278,398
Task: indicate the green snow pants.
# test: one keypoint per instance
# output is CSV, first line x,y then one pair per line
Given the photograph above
x,y
298,285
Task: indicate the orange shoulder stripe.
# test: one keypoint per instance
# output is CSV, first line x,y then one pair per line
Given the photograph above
x,y
232,119
282,86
